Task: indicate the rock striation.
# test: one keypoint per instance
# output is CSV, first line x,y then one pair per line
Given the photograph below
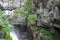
x,y
48,16
47,12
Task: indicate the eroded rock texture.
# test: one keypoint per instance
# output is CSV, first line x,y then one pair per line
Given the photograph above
x,y
47,12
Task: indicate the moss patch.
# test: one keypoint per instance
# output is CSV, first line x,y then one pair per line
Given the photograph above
x,y
50,36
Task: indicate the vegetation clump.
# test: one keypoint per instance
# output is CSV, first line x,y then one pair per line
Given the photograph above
x,y
4,26
57,3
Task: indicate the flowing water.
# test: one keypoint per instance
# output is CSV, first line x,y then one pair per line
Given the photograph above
x,y
13,33
19,33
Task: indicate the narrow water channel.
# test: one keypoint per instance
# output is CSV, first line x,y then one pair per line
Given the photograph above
x,y
19,33
14,33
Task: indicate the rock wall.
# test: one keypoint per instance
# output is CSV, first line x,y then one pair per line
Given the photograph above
x,y
45,14
48,15
46,11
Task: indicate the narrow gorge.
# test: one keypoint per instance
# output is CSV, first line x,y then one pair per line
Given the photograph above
x,y
29,19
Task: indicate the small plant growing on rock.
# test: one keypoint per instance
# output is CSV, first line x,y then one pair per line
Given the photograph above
x,y
57,3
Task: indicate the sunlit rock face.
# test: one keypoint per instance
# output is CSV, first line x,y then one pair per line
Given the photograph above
x,y
11,4
46,11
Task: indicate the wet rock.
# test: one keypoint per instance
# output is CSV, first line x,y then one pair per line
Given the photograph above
x,y
22,35
1,7
43,37
39,36
52,30
19,19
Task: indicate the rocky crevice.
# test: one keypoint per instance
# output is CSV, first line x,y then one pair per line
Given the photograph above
x,y
47,15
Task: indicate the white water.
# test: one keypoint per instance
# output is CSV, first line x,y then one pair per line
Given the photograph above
x,y
14,32
13,35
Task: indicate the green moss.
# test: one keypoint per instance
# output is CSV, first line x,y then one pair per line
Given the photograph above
x,y
57,3
47,33
2,39
45,17
34,28
27,5
32,19
58,18
1,12
21,13
44,31
32,16
6,29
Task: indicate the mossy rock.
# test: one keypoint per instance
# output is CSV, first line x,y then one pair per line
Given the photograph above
x,y
20,12
32,19
57,20
34,28
1,12
46,32
57,3
27,5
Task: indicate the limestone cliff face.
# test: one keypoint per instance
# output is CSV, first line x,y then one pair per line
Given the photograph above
x,y
47,12
11,4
